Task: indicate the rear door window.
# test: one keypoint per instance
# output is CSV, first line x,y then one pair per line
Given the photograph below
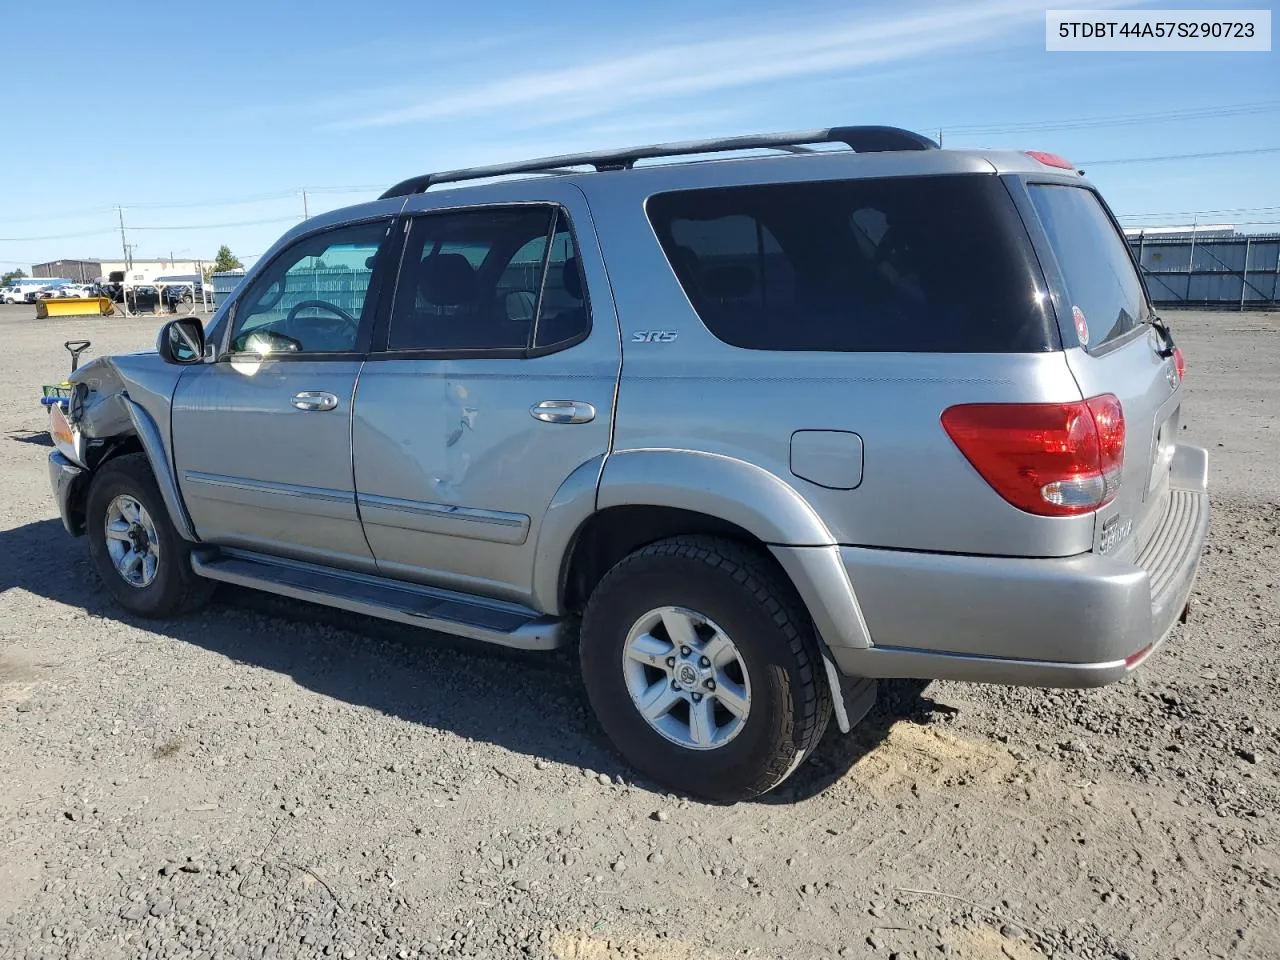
x,y
486,280
1103,291
919,264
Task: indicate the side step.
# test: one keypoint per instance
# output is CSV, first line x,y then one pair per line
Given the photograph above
x,y
431,608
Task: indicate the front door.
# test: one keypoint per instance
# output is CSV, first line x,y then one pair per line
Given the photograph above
x,y
262,436
489,387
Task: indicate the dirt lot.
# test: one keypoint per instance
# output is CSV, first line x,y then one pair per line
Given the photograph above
x,y
268,780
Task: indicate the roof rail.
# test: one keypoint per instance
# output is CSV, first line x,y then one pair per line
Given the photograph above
x,y
859,139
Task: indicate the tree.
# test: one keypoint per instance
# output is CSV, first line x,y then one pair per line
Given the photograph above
x,y
11,276
226,260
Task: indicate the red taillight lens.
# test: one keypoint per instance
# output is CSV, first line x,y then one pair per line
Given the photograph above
x,y
1052,459
1179,363
1050,159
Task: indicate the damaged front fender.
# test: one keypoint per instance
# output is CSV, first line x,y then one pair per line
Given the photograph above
x,y
122,403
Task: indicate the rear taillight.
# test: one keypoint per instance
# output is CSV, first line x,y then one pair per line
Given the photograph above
x,y
1052,459
1179,363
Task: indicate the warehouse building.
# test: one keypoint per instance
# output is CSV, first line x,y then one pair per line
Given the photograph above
x,y
135,271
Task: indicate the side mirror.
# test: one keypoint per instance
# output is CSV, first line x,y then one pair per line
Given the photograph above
x,y
181,341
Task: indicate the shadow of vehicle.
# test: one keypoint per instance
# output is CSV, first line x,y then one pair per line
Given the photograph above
x,y
530,703
40,438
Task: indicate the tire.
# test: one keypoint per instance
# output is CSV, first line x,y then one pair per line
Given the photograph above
x,y
738,595
173,588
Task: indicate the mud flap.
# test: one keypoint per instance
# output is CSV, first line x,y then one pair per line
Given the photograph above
x,y
851,697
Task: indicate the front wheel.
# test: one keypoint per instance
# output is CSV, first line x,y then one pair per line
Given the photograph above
x,y
143,562
702,667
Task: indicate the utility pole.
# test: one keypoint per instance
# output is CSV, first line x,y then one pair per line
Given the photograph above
x,y
306,214
124,246
939,136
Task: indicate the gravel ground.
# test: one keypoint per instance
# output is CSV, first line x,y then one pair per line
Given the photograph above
x,y
270,780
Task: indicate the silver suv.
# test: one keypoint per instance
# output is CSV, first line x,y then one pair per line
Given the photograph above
x,y
751,430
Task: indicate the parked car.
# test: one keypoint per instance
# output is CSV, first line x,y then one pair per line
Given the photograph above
x,y
181,289
26,289
142,298
768,428
57,292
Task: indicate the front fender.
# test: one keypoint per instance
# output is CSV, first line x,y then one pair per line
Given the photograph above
x,y
132,394
763,505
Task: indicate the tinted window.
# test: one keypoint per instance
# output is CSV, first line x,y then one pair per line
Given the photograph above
x,y
920,264
484,280
1095,261
564,304
312,298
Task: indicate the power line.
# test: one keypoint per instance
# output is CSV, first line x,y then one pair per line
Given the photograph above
x,y
219,226
60,236
1079,123
1199,213
43,218
1181,156
196,204
220,202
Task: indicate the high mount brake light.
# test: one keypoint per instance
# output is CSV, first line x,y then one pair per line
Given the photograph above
x,y
1051,459
1050,159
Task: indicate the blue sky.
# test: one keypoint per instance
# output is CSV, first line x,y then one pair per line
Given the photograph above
x,y
206,126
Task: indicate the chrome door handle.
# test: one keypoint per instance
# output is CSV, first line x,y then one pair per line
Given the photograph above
x,y
563,411
314,400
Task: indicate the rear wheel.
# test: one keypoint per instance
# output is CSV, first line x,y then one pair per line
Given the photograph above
x,y
143,562
702,667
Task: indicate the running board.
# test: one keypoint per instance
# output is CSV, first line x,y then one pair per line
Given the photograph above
x,y
431,608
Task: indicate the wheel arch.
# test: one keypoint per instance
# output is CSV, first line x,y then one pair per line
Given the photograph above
x,y
131,429
646,496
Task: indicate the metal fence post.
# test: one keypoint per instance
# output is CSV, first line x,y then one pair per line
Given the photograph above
x,y
1191,262
1244,276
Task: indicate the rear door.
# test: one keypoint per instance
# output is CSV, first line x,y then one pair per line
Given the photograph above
x,y
492,383
1111,348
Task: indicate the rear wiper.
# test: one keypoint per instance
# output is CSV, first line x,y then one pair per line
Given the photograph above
x,y
1166,336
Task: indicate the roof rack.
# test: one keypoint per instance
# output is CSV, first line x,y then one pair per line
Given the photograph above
x,y
869,139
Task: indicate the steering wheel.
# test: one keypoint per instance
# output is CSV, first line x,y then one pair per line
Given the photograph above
x,y
323,305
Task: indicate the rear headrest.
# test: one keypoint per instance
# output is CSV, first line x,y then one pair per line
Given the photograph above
x,y
447,280
572,279
729,283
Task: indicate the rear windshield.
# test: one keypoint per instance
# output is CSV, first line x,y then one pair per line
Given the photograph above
x,y
919,264
1102,287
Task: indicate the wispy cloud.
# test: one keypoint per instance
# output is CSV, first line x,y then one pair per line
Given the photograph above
x,y
765,53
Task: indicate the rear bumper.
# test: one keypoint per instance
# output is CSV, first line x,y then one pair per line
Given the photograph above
x,y
1079,621
64,477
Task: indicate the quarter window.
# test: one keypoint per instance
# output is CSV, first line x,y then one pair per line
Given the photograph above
x,y
914,264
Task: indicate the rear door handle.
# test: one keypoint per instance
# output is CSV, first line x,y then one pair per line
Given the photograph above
x,y
563,411
317,400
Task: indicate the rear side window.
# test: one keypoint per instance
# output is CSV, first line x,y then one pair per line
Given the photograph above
x,y
1103,289
919,264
